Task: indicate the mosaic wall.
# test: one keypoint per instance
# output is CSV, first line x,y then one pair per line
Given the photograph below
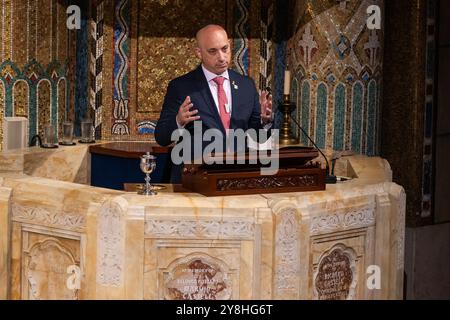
x,y
337,64
35,77
139,46
430,101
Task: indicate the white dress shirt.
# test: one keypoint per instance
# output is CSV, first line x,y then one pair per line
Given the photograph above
x,y
213,87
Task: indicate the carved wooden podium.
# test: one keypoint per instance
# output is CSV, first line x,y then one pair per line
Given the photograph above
x,y
296,173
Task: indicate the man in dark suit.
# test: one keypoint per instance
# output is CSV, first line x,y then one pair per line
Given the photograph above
x,y
214,94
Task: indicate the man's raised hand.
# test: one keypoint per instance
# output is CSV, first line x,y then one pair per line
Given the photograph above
x,y
185,115
265,100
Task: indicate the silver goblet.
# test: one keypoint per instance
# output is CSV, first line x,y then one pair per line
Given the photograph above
x,y
147,164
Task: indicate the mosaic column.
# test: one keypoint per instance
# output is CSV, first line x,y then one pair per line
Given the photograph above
x,y
337,65
96,61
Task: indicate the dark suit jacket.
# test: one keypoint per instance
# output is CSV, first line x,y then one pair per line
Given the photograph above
x,y
245,112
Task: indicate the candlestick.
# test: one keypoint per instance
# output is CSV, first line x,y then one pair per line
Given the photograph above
x,y
287,82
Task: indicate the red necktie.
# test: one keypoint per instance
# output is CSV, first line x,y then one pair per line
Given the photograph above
x,y
222,99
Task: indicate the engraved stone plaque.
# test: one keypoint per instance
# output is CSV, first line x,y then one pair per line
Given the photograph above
x,y
197,278
334,276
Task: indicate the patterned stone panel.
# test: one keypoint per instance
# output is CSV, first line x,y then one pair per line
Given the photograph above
x,y
46,261
111,244
287,255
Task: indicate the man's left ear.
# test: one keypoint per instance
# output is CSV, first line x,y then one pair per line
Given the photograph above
x,y
198,53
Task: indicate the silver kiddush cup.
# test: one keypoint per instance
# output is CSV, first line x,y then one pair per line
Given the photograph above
x,y
148,165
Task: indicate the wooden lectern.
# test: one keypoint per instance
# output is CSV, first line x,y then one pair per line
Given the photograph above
x,y
296,173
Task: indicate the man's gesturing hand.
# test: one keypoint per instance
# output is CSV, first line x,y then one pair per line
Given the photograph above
x,y
184,115
265,100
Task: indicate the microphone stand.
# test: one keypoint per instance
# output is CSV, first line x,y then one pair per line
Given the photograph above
x,y
329,178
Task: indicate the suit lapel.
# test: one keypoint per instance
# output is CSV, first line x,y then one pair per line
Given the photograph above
x,y
203,87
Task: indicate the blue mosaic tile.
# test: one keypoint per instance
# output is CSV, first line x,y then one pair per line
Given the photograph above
x,y
366,76
331,78
321,115
357,108
121,90
429,120
33,73
81,85
339,117
306,106
146,127
296,100
371,123
32,113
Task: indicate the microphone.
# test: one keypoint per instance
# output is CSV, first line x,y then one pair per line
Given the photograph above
x,y
329,178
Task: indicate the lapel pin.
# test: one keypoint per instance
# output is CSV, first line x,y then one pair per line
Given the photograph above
x,y
235,86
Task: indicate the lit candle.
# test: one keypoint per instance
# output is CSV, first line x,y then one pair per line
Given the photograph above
x,y
287,82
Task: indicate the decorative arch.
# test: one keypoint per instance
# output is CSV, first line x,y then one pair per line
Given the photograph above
x,y
21,95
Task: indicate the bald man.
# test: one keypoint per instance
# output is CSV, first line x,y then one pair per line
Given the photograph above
x,y
214,94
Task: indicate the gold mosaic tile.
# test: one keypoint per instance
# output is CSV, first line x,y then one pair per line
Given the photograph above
x,y
165,49
19,33
61,43
44,32
20,94
305,11
43,102
61,103
108,56
32,25
54,25
6,38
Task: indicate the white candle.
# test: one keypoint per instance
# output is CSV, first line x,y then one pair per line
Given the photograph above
x,y
287,82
